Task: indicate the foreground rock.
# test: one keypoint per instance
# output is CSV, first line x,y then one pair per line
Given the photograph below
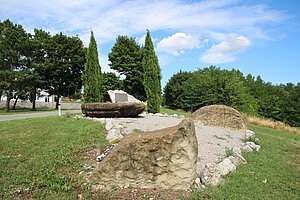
x,y
220,115
164,159
124,109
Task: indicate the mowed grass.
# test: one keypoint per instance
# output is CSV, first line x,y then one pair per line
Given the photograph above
x,y
273,173
42,157
171,112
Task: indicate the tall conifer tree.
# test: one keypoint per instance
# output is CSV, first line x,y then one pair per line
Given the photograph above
x,y
152,76
92,77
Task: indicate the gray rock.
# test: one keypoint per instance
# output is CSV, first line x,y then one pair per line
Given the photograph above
x,y
109,124
210,175
105,151
251,144
257,148
114,134
236,150
249,135
198,182
88,167
247,149
256,141
175,115
158,114
225,167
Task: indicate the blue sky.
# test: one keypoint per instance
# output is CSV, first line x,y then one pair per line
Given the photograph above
x,y
257,37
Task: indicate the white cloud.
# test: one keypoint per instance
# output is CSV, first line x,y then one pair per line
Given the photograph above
x,y
110,18
224,51
176,43
217,58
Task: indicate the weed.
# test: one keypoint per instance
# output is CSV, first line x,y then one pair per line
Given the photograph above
x,y
68,115
229,152
137,130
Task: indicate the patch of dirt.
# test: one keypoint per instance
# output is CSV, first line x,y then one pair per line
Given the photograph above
x,y
141,194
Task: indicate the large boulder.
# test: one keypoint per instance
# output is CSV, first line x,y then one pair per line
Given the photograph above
x,y
221,116
164,159
125,109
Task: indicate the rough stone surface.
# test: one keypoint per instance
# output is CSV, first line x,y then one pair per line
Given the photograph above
x,y
213,173
113,135
113,94
253,146
126,109
249,135
220,115
225,167
247,149
163,159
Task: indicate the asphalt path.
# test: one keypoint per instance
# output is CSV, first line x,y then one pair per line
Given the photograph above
x,y
35,114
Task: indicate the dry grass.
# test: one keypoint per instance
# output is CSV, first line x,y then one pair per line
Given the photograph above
x,y
272,124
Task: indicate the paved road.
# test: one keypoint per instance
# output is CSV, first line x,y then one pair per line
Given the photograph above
x,y
33,115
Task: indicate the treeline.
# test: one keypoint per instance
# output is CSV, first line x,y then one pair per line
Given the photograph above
x,y
31,62
251,95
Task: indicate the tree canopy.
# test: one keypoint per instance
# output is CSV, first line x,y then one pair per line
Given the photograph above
x,y
192,90
126,58
14,42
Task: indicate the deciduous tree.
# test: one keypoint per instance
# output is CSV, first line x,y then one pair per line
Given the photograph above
x,y
13,44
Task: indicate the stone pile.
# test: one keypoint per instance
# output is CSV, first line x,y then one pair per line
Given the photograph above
x,y
213,173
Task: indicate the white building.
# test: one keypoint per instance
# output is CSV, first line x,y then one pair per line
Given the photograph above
x,y
42,97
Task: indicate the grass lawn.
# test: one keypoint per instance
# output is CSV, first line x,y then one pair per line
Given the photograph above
x,y
273,173
170,111
42,157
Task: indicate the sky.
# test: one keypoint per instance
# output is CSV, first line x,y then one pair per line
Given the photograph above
x,y
261,37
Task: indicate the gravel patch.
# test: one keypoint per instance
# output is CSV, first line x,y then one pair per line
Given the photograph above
x,y
212,141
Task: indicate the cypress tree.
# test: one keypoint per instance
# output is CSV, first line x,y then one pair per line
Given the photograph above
x,y
92,77
152,76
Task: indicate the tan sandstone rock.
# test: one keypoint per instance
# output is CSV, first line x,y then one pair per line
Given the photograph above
x,y
164,159
220,115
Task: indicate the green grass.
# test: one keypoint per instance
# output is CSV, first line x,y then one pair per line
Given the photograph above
x,y
273,173
42,157
23,111
171,112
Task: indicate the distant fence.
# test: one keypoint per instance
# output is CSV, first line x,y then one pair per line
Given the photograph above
x,y
46,105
